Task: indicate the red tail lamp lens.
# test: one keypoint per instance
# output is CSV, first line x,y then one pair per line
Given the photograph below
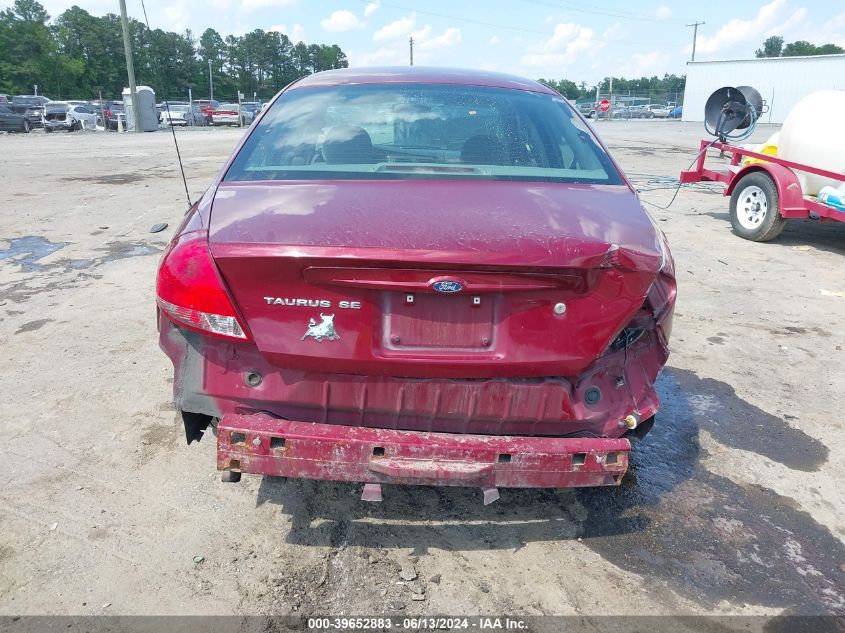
x,y
190,291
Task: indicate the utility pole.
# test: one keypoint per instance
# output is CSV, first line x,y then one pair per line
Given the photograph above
x,y
130,66
210,82
695,26
411,43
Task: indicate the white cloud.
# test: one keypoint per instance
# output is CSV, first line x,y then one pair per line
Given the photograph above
x,y
178,16
295,34
340,21
248,5
371,8
663,12
613,32
384,56
449,37
396,29
562,48
395,50
495,40
831,31
645,64
751,33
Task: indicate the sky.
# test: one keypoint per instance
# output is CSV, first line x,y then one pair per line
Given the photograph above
x,y
555,39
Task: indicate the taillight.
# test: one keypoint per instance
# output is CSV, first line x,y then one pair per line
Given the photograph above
x,y
190,291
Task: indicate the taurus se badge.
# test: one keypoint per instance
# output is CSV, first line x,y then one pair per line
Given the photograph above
x,y
323,330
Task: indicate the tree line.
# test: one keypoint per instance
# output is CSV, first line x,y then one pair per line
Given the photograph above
x,y
774,46
78,55
658,89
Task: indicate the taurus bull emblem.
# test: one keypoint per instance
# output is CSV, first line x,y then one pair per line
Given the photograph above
x,y
323,330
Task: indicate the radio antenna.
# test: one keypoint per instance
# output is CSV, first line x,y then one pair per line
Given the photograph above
x,y
169,121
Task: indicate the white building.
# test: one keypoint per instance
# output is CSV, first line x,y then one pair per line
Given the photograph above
x,y
781,81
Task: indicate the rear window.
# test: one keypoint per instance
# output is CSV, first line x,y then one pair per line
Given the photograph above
x,y
390,131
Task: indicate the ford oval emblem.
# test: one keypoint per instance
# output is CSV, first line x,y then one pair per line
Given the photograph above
x,y
447,285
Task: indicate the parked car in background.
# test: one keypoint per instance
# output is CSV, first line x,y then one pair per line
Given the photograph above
x,y
228,114
639,112
182,115
4,99
60,115
587,109
207,106
32,106
677,112
161,108
253,107
658,111
620,112
13,121
351,309
163,105
103,104
114,114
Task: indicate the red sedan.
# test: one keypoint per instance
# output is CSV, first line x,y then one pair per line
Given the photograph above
x,y
419,276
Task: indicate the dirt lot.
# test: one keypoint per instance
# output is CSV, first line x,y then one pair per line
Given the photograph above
x,y
734,504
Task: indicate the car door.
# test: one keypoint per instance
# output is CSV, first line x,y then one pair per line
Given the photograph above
x,y
83,114
6,118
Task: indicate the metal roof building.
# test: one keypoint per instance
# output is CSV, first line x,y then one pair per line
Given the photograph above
x,y
781,81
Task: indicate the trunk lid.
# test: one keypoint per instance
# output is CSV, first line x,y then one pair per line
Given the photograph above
x,y
434,278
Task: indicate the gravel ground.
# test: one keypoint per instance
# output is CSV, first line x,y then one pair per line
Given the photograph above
x,y
734,504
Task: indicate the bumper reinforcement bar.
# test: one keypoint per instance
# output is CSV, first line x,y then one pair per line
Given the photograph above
x,y
263,445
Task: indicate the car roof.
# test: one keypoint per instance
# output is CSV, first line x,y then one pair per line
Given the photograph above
x,y
420,74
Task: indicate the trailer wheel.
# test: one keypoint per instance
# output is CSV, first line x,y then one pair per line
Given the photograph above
x,y
755,210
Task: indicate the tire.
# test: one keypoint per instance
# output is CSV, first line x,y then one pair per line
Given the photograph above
x,y
27,127
755,210
48,130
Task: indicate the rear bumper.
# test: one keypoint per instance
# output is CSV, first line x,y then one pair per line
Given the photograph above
x,y
264,445
58,125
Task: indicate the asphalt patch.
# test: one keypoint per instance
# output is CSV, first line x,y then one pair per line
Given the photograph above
x,y
708,537
673,522
28,250
114,179
33,325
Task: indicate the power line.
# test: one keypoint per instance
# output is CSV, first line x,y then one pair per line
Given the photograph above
x,y
516,28
576,7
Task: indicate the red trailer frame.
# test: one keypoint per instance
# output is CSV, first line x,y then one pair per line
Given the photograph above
x,y
792,201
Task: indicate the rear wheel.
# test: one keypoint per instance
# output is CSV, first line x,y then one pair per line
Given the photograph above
x,y
755,211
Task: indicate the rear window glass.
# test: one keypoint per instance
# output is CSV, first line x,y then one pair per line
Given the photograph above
x,y
390,131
